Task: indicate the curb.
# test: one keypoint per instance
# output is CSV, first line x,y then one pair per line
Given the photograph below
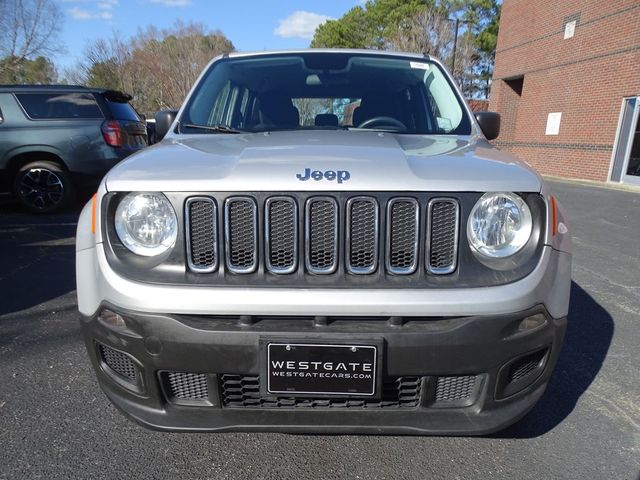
x,y
621,187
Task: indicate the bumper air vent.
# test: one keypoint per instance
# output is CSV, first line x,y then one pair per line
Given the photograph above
x,y
243,391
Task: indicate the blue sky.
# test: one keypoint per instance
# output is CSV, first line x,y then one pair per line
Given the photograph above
x,y
249,24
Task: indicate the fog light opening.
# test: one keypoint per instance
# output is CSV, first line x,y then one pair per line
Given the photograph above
x,y
121,367
521,372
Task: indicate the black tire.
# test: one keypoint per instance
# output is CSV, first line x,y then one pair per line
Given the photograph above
x,y
43,187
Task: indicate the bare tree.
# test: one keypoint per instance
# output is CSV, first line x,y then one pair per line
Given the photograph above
x,y
308,108
426,32
156,66
28,28
467,61
432,33
185,50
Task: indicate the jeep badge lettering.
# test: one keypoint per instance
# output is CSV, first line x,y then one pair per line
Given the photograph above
x,y
317,175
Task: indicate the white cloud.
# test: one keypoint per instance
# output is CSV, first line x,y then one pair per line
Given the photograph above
x,y
81,14
107,4
300,24
173,3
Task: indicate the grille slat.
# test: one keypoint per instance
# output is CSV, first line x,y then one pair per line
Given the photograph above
x,y
362,235
281,234
243,391
442,236
202,232
241,233
402,235
321,235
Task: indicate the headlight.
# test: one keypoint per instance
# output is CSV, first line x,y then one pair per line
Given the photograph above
x,y
146,223
499,225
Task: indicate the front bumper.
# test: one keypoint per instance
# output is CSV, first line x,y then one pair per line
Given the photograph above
x,y
548,285
479,347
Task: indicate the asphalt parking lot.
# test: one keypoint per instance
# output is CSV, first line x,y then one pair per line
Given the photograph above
x,y
56,423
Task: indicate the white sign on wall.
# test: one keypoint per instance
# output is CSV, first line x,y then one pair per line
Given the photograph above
x,y
569,29
553,123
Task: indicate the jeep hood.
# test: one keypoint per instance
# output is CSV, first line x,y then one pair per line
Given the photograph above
x,y
375,161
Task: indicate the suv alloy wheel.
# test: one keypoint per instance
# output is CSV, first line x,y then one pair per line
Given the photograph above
x,y
42,187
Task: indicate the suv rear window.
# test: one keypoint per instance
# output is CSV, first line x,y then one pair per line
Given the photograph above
x,y
122,111
41,106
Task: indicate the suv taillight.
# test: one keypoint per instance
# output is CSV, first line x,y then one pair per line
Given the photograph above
x,y
111,133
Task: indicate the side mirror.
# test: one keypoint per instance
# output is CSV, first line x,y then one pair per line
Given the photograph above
x,y
164,120
489,123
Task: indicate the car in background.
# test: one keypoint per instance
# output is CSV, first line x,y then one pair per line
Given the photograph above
x,y
58,140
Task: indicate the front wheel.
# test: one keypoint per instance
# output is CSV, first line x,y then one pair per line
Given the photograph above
x,y
42,187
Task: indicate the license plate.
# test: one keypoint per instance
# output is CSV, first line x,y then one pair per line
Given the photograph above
x,y
294,368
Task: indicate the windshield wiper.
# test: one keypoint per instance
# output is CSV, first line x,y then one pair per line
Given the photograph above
x,y
221,128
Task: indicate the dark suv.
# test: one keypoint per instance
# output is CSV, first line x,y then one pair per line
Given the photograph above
x,y
57,140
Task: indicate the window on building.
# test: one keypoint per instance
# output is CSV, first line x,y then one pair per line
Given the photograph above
x,y
516,85
633,167
569,25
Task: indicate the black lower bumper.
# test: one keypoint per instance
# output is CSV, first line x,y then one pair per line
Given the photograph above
x,y
459,376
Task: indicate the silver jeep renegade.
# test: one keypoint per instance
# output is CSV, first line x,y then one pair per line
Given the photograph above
x,y
324,240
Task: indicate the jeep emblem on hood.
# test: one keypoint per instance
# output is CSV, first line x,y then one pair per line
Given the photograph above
x,y
317,175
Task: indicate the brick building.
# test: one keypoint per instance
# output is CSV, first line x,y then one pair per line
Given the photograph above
x,y
567,84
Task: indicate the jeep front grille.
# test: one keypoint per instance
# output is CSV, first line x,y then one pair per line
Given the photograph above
x,y
323,235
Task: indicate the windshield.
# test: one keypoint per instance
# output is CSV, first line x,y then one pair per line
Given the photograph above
x,y
325,91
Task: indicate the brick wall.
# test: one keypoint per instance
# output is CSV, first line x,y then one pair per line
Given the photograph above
x,y
584,77
478,105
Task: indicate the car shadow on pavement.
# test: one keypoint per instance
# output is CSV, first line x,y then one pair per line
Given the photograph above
x,y
37,258
586,343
